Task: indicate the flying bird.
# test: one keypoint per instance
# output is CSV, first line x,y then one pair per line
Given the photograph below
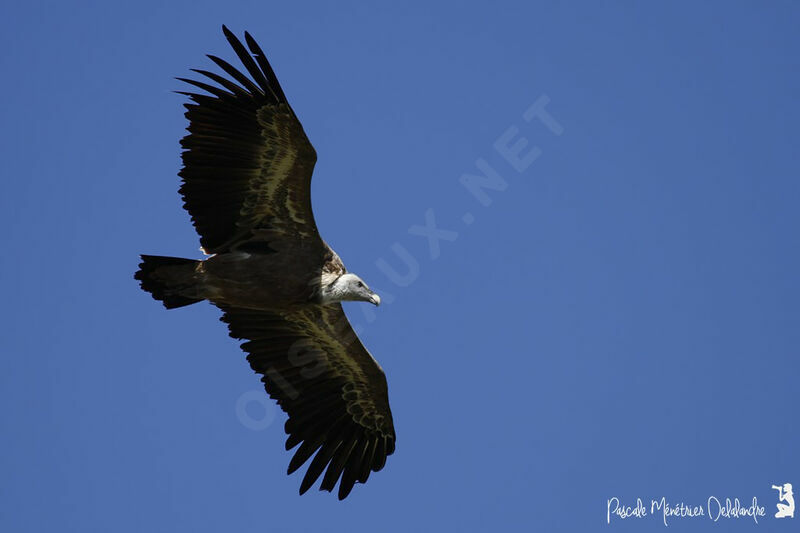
x,y
245,181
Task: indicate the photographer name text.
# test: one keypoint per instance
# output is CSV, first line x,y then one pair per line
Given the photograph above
x,y
714,508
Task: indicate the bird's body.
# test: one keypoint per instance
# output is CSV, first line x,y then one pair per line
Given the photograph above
x,y
255,280
246,183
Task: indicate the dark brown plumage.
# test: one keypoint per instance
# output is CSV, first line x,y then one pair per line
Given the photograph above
x,y
246,184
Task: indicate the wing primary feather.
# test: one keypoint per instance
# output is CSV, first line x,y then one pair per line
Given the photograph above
x,y
247,60
193,96
379,459
266,68
305,451
225,82
216,91
350,475
338,463
319,463
293,440
238,76
313,438
366,462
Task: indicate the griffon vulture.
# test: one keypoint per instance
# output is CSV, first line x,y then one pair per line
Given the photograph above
x,y
246,177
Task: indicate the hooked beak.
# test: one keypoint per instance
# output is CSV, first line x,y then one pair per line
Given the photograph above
x,y
374,299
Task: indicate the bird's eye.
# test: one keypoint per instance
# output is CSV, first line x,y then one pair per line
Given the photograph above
x,y
360,284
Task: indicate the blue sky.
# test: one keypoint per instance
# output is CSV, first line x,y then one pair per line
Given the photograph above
x,y
621,319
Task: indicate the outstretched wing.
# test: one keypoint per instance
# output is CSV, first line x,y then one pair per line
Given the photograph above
x,y
332,389
247,161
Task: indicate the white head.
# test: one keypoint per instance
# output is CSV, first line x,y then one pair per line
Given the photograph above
x,y
349,288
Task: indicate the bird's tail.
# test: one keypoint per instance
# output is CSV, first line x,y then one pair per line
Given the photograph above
x,y
171,280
